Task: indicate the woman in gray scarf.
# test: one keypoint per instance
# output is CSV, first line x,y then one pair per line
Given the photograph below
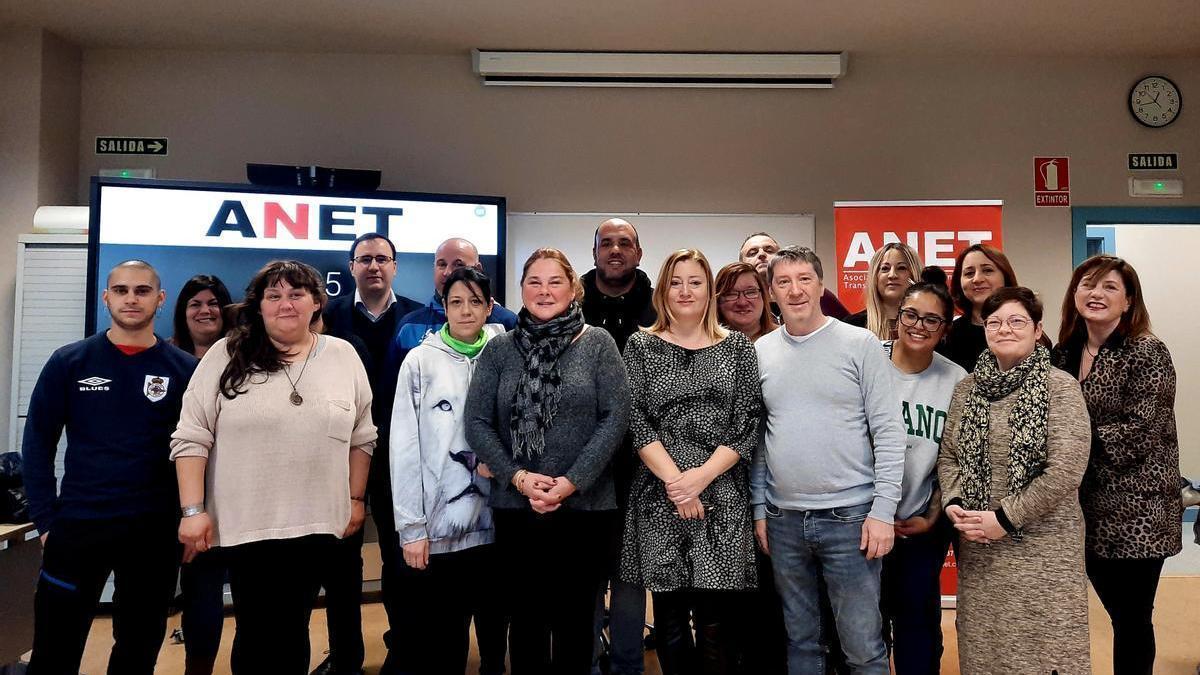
x,y
548,406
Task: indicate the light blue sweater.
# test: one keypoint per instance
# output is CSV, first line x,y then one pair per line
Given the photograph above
x,y
833,435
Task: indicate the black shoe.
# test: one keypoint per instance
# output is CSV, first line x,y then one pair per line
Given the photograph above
x,y
327,668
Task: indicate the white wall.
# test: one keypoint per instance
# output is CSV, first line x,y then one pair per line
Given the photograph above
x,y
896,127
1165,259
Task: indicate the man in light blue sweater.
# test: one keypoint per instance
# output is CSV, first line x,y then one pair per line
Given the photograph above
x,y
826,480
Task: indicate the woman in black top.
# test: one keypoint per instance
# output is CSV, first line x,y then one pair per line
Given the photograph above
x,y
979,271
893,269
199,322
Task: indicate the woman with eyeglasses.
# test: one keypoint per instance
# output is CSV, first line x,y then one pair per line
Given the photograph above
x,y
1130,493
761,637
1013,454
694,418
979,270
742,301
925,381
892,270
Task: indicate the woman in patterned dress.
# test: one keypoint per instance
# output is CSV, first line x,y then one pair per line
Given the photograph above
x,y
1013,454
1130,492
694,421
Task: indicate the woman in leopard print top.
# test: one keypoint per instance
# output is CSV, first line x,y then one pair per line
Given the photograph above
x,y
1130,493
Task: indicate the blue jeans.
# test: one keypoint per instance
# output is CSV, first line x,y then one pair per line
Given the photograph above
x,y
626,628
807,545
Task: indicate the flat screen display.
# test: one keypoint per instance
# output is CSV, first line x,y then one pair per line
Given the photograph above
x,y
231,231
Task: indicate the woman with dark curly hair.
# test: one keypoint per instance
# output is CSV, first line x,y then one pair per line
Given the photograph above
x,y
272,452
199,320
199,317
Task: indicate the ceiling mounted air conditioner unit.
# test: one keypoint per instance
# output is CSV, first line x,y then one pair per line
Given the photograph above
x,y
636,69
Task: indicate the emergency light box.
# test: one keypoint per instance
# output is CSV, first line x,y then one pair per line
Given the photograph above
x,y
231,231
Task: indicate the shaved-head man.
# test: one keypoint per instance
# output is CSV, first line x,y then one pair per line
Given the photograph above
x,y
616,294
616,297
760,247
117,395
450,255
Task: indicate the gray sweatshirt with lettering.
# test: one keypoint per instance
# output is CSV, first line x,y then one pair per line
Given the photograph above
x,y
833,435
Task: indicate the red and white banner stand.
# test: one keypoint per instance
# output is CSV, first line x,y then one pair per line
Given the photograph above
x,y
938,230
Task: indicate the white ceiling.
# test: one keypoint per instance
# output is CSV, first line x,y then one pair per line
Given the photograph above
x,y
1162,28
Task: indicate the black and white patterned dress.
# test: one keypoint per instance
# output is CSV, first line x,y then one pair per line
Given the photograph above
x,y
692,400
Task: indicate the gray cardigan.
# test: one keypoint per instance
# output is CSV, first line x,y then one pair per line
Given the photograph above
x,y
593,413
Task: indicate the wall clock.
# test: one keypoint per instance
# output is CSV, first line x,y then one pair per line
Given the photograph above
x,y
1155,101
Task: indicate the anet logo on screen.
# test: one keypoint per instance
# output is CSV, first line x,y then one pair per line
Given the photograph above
x,y
334,222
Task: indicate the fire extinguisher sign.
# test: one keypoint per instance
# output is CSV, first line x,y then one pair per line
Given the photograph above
x,y
1051,181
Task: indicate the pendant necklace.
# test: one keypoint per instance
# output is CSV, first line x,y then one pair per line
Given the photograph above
x,y
295,397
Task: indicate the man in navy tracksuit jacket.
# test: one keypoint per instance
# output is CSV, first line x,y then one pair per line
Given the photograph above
x,y
117,394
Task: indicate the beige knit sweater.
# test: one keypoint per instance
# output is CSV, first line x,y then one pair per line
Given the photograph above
x,y
277,470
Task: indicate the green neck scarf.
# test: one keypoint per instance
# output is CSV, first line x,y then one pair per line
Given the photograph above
x,y
468,349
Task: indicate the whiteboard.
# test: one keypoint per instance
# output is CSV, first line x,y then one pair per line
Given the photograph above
x,y
719,236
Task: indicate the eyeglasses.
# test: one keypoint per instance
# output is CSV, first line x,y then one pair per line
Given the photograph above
x,y
930,322
732,296
1015,322
366,260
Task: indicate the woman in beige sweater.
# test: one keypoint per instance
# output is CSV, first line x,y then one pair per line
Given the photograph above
x,y
1013,454
272,452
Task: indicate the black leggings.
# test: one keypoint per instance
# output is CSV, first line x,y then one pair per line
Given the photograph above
x,y
1127,588
713,651
552,566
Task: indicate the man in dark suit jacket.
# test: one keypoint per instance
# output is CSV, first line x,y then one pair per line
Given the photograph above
x,y
371,316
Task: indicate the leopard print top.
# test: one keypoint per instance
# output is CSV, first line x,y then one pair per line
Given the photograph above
x,y
1130,493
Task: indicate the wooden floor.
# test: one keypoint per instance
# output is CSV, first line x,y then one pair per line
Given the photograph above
x,y
1176,619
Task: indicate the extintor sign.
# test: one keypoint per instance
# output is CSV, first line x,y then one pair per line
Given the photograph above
x,y
1051,181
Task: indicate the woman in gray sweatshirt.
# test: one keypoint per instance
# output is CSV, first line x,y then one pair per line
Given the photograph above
x,y
548,406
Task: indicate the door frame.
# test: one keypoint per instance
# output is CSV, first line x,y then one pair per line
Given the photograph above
x,y
1083,216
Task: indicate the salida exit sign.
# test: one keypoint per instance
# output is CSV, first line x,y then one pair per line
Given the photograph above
x,y
126,145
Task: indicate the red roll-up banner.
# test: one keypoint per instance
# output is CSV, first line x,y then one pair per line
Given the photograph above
x,y
938,230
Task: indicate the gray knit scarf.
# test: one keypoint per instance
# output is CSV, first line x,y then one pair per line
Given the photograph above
x,y
536,399
1027,449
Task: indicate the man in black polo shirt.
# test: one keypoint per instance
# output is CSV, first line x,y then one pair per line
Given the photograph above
x,y
372,315
117,395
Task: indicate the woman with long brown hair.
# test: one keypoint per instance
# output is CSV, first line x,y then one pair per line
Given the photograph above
x,y
199,321
979,271
1130,493
272,452
694,423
